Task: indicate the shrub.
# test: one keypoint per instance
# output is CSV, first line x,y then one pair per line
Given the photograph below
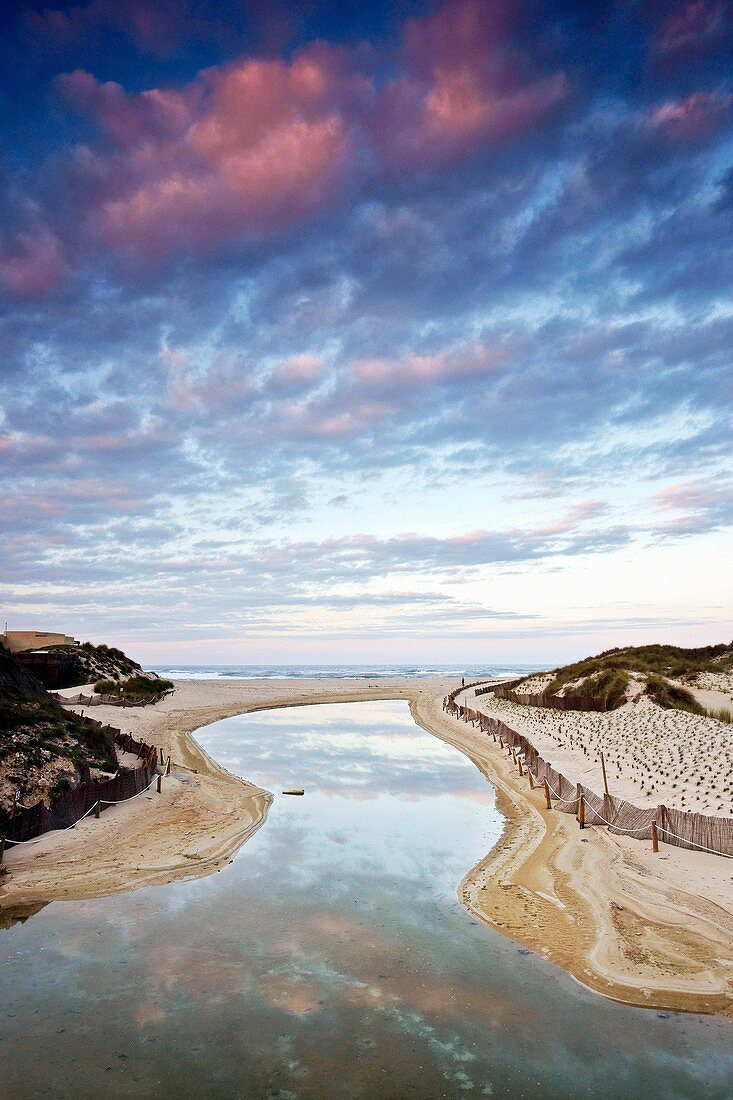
x,y
606,690
672,697
136,687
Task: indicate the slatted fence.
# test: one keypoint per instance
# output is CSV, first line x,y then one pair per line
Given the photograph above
x,y
79,802
682,828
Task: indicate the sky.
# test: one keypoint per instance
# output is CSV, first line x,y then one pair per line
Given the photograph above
x,y
380,332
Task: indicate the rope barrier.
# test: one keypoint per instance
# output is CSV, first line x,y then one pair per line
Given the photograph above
x,y
684,840
119,801
64,830
619,828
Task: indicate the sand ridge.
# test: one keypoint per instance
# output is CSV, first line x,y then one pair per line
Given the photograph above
x,y
652,930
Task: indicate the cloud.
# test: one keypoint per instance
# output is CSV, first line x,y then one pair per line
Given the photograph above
x,y
246,148
695,118
253,147
158,28
691,29
431,295
463,88
32,266
703,507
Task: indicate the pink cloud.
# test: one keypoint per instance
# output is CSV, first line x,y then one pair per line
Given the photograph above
x,y
579,513
691,496
33,266
463,89
252,147
313,420
444,366
691,29
693,119
226,381
299,372
698,504
245,149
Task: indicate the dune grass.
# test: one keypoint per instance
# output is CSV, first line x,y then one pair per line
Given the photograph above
x,y
672,697
136,687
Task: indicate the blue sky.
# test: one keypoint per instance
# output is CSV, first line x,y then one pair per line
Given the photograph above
x,y
367,332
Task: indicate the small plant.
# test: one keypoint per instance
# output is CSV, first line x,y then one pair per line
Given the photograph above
x,y
723,715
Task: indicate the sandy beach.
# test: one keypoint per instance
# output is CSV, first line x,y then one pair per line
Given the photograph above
x,y
645,929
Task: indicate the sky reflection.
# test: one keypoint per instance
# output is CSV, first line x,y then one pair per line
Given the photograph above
x,y
332,957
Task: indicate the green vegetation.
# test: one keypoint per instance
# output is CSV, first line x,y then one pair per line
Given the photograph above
x,y
672,697
606,689
36,732
654,660
32,727
136,687
605,678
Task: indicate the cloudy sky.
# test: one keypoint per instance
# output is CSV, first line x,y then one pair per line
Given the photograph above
x,y
369,332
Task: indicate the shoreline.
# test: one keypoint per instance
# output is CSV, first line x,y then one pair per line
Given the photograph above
x,y
631,933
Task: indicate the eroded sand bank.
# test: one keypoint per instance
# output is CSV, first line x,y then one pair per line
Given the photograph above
x,y
634,926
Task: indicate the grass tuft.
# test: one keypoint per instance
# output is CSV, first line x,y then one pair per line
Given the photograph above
x,y
136,687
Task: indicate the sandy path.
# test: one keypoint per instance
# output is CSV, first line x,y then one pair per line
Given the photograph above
x,y
642,929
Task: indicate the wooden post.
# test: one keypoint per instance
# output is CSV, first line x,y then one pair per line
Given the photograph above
x,y
603,769
581,812
519,765
2,848
168,766
96,809
547,795
162,758
655,838
159,781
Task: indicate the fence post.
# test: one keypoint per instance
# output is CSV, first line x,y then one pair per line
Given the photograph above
x,y
159,779
655,838
96,809
168,766
603,769
581,813
519,765
2,848
547,795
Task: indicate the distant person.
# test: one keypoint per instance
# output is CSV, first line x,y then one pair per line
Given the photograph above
x,y
463,681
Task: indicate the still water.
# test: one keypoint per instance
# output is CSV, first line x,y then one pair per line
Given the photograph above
x,y
331,958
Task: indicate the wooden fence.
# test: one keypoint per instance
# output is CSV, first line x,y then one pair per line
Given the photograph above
x,y
682,828
77,803
553,702
105,700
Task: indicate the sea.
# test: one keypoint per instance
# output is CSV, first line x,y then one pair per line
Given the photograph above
x,y
355,672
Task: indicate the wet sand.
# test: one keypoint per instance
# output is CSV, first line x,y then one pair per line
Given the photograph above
x,y
636,927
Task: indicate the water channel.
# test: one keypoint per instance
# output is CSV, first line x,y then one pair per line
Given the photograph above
x,y
331,958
